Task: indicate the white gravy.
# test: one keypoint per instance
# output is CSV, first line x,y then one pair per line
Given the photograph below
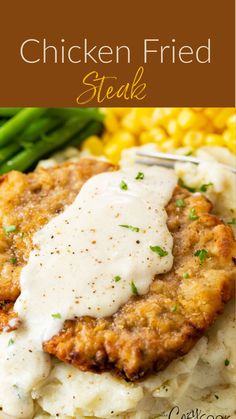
x,y
89,260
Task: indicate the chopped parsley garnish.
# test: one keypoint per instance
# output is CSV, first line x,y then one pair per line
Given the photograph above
x,y
9,229
132,228
185,275
140,176
202,254
174,308
205,187
123,185
117,278
180,202
189,153
56,316
192,215
13,261
10,342
227,362
157,249
134,288
189,188
233,221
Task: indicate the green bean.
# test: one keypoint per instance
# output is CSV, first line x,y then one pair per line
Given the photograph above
x,y
16,124
27,158
8,112
9,151
92,128
2,122
38,128
90,113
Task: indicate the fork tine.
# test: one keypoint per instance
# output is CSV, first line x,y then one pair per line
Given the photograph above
x,y
167,156
155,157
150,162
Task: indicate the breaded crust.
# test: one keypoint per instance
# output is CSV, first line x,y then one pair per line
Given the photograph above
x,y
148,332
8,319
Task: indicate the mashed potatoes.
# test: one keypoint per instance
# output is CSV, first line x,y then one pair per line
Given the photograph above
x,y
202,382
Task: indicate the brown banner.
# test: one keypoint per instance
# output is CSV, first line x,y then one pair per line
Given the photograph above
x,y
117,53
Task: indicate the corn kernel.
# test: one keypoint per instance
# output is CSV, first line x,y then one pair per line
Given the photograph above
x,y
140,112
124,138
160,116
94,145
106,137
231,122
120,112
144,115
230,140
173,112
168,145
112,151
173,129
131,122
187,119
145,138
111,122
211,112
214,140
147,122
193,139
155,135
220,121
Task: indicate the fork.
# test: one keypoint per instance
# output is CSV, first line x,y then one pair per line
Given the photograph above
x,y
168,159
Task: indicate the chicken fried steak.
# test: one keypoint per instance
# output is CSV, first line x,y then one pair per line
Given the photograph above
x,y
149,331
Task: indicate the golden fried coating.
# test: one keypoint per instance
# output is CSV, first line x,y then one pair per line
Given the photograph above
x,y
151,330
8,319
